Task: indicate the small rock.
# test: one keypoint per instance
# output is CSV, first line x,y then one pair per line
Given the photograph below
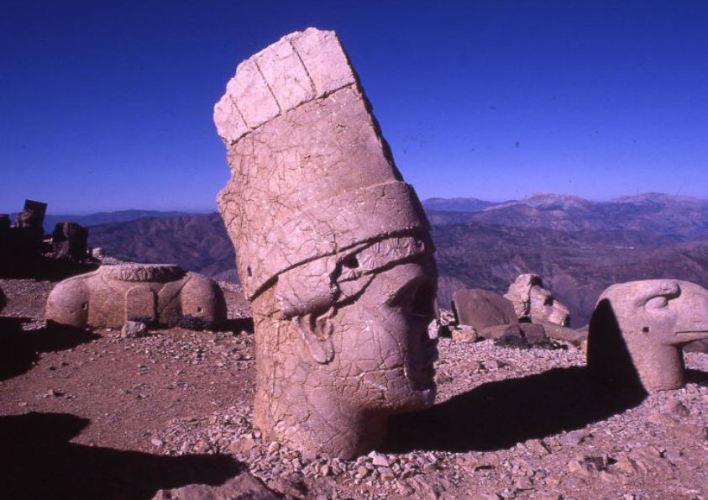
x,y
379,460
133,329
464,333
156,442
679,409
362,472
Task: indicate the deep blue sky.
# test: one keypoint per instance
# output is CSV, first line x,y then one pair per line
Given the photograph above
x,y
107,105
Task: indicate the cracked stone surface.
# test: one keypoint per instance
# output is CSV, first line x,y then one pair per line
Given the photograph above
x,y
638,329
161,294
334,251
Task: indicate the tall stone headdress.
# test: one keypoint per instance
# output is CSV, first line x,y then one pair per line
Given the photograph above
x,y
311,175
316,209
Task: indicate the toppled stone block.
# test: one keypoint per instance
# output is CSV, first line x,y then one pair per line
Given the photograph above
x,y
534,302
638,328
133,329
482,308
334,251
160,294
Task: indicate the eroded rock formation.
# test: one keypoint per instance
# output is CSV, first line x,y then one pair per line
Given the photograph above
x,y
534,302
333,248
638,329
160,294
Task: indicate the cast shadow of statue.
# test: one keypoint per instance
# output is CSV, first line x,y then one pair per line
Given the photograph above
x,y
498,415
236,325
38,461
20,349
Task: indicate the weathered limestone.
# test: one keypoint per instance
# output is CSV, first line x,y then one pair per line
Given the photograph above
x,y
149,293
638,329
531,300
482,308
334,251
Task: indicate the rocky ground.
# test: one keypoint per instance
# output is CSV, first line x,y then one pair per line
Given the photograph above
x,y
91,415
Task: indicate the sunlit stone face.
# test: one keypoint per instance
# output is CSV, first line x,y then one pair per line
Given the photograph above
x,y
359,353
333,248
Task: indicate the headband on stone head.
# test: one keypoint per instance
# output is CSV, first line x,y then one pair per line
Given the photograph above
x,y
312,179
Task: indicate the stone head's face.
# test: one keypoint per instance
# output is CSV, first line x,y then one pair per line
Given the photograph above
x,y
364,336
669,312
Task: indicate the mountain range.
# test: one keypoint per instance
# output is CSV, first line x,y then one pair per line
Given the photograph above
x,y
578,246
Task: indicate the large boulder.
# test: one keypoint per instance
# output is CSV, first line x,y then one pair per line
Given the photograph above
x,y
482,308
533,301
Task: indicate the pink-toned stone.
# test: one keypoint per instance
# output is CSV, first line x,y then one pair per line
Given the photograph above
x,y
324,58
285,74
638,329
150,293
229,121
251,95
334,254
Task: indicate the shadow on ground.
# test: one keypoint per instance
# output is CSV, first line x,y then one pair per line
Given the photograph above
x,y
697,377
19,349
237,325
497,415
38,461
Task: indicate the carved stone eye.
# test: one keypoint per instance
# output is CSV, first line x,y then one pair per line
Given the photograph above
x,y
657,302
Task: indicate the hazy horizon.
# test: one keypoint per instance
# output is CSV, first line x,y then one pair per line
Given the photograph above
x,y
207,210
107,106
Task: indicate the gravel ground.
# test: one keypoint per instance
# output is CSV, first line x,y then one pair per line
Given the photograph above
x,y
97,416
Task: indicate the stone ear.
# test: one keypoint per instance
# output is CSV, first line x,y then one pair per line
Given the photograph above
x,y
660,288
316,333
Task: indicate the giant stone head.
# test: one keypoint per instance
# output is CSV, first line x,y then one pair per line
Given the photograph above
x,y
334,250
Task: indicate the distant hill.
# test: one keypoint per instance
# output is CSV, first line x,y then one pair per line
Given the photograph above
x,y
579,247
667,218
50,220
469,205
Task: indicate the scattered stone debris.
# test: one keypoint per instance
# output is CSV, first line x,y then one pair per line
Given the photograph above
x,y
244,486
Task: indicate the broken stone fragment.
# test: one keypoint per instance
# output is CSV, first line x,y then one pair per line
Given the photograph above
x,y
159,294
334,251
133,329
533,301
